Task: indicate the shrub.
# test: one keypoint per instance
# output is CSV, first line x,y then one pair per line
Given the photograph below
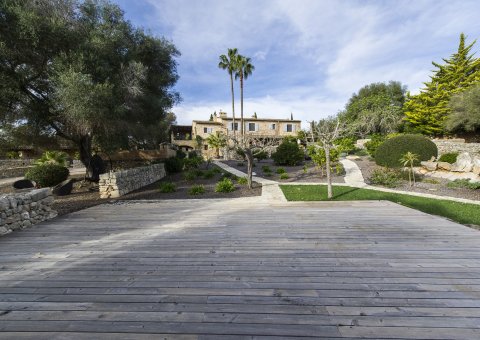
x,y
225,185
189,176
345,145
173,165
47,175
319,158
12,155
196,190
242,180
216,170
268,174
198,172
53,157
266,168
280,171
390,152
209,174
192,163
450,157
339,169
385,177
375,141
167,187
284,176
464,183
361,152
193,154
430,181
260,155
181,154
288,153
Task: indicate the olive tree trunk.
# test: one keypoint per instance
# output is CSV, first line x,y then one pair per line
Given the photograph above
x,y
85,148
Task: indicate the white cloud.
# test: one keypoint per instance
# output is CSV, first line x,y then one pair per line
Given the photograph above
x,y
260,55
311,55
307,109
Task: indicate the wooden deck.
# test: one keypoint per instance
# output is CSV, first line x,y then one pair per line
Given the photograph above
x,y
233,269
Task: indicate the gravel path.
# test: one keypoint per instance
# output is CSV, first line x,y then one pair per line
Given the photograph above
x,y
295,173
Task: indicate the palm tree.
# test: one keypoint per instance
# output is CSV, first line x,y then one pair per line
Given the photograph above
x,y
53,157
407,160
244,69
229,62
216,141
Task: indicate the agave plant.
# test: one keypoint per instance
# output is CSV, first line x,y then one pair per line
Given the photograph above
x,y
53,157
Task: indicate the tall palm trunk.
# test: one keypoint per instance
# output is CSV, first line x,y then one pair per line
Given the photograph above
x,y
233,103
242,128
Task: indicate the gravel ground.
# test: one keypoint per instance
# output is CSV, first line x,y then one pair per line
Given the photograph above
x,y
295,173
425,185
151,192
85,194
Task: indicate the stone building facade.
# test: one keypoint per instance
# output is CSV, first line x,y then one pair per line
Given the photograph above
x,y
193,137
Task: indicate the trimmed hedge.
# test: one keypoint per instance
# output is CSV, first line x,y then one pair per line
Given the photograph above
x,y
288,153
173,165
389,152
47,175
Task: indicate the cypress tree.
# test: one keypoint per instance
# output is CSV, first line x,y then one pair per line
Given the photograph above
x,y
428,110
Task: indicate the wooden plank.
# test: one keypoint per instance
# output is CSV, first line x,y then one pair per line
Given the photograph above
x,y
207,269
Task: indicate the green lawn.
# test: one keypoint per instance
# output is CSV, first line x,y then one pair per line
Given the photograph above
x,y
460,212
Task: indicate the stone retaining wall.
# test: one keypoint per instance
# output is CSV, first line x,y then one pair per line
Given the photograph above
x,y
14,167
457,145
116,184
18,211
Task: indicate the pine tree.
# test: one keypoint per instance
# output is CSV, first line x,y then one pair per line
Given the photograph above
x,y
427,111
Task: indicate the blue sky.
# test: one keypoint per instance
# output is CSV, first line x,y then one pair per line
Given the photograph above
x,y
309,55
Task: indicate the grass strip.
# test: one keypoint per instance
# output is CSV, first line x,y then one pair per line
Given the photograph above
x,y
464,213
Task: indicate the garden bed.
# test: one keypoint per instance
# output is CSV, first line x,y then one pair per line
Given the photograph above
x,y
85,194
430,185
152,192
294,173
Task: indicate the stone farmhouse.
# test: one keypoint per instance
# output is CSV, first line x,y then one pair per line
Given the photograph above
x,y
192,137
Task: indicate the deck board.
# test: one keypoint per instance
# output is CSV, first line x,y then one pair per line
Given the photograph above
x,y
234,269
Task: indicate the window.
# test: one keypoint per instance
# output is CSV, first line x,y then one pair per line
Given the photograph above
x,y
251,127
273,126
205,147
288,128
207,130
236,126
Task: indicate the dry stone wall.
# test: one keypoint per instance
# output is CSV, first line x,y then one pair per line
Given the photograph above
x,y
457,145
18,211
14,167
119,183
